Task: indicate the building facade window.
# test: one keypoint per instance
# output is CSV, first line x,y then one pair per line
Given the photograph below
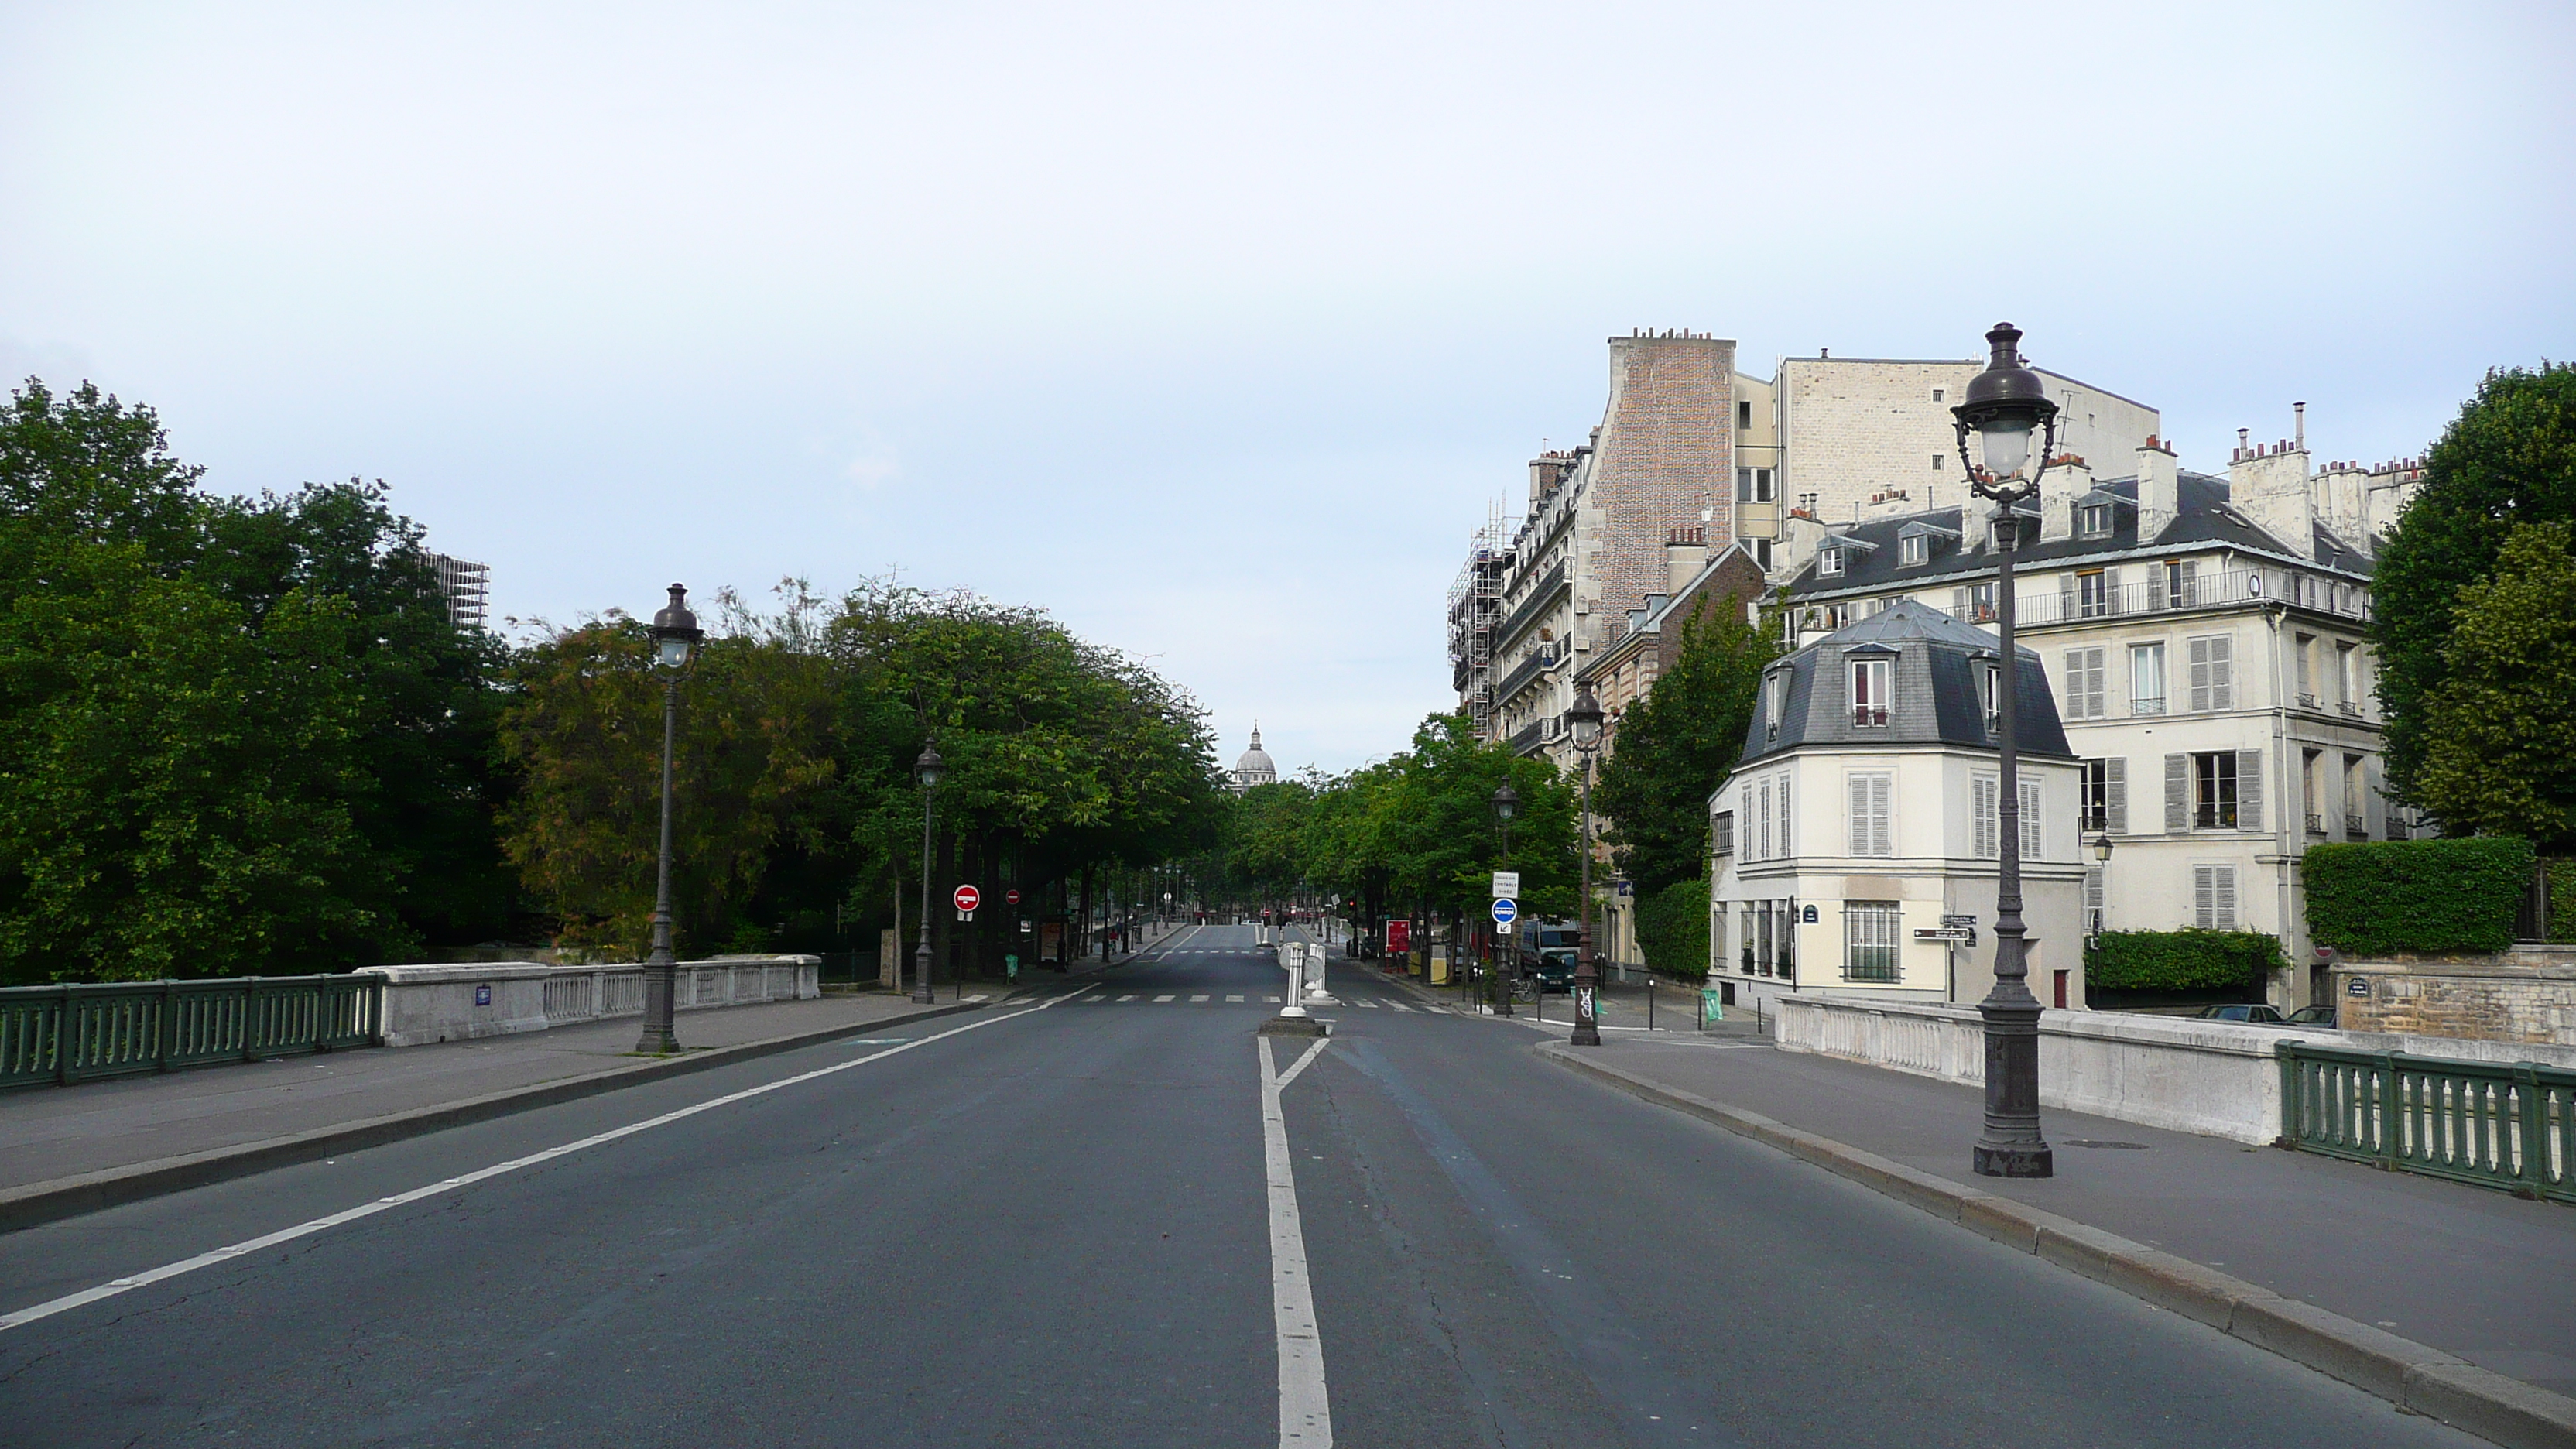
x,y
1870,940
2093,797
2347,678
2182,582
2213,897
2213,672
1914,548
2301,647
1870,813
2213,790
1754,485
2096,909
1722,833
1984,793
2092,594
2034,836
1829,562
2146,679
2093,520
1936,462
1870,688
1974,603
2086,696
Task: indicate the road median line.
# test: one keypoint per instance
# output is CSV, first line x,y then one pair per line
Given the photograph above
x,y
63,1197
2414,1376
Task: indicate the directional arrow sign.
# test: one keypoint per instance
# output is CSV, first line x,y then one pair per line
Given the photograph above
x,y
968,898
1506,910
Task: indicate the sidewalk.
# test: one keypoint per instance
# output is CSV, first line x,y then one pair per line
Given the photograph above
x,y
51,1133
2472,1272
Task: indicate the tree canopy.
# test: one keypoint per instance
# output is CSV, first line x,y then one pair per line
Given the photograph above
x,y
2500,756
2508,459
1677,746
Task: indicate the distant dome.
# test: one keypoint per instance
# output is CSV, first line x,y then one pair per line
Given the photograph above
x,y
1255,767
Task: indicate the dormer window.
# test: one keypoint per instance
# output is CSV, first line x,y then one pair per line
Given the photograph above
x,y
1870,690
2093,520
1914,548
1990,678
1829,562
1775,688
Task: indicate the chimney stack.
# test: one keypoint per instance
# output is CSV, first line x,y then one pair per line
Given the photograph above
x,y
2299,424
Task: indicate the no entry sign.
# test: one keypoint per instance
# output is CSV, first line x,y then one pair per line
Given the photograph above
x,y
968,898
1010,898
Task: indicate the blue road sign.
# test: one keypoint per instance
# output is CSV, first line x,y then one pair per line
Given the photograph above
x,y
1505,910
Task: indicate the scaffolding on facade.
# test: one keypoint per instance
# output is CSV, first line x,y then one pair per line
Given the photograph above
x,y
467,586
1475,607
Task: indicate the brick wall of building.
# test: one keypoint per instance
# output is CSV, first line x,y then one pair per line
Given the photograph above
x,y
1666,452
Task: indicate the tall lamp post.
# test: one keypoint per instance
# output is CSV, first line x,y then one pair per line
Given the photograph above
x,y
2004,406
927,769
1584,720
1507,803
675,634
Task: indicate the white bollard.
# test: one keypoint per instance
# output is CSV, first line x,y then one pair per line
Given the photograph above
x,y
1316,994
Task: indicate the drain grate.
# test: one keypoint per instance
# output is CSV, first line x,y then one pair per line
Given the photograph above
x,y
2097,1142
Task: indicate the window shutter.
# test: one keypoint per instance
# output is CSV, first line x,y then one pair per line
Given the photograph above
x,y
2066,596
2222,892
2204,896
2110,591
2031,834
2222,673
1882,835
1752,826
2199,652
2177,794
1785,847
1859,811
2249,789
1985,789
2116,795
1959,603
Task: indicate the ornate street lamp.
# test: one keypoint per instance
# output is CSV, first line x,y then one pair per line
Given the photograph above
x,y
1507,803
1584,721
2004,406
675,634
927,769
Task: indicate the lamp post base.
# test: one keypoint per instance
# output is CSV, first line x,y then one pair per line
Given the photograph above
x,y
2014,1160
660,1042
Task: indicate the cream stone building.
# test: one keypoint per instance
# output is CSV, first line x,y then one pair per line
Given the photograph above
x,y
1866,812
2204,638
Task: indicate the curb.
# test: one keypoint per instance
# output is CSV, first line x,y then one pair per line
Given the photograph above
x,y
2413,1376
63,1197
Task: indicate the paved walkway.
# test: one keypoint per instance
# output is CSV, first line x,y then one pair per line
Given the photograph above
x,y
51,1133
2468,1270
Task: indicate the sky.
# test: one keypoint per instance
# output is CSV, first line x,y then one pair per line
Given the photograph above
x,y
1214,330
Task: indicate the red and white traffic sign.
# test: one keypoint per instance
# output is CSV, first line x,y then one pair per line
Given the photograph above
x,y
1010,898
968,898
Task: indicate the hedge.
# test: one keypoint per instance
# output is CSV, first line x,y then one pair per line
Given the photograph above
x,y
2188,960
2417,895
1672,929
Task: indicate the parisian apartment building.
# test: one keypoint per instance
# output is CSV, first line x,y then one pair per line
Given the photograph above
x,y
2203,634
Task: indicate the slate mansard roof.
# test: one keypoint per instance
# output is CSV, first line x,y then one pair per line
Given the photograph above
x,y
1934,680
2202,515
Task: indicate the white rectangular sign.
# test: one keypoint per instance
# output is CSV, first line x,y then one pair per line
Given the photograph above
x,y
1507,884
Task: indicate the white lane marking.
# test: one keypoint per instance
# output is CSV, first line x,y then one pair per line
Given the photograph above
x,y
1305,1410
1200,997
1363,1002
1400,1006
1234,998
112,1288
1271,999
1162,998
1127,998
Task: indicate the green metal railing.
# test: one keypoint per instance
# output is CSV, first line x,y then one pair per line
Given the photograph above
x,y
2509,1125
64,1034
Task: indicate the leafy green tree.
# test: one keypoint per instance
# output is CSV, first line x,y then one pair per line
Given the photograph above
x,y
752,757
2500,736
1677,746
182,783
2509,458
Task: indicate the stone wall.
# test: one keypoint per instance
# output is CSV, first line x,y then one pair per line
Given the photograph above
x,y
2527,995
425,1004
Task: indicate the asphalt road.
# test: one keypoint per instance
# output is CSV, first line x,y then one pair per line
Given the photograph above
x,y
1058,1227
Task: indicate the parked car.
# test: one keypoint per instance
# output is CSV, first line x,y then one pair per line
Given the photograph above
x,y
1547,952
2313,1016
2255,1012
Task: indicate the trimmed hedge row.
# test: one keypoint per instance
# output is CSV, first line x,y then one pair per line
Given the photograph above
x,y
2187,960
2417,895
1672,929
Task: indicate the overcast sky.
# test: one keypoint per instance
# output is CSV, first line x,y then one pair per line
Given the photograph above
x,y
1213,329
